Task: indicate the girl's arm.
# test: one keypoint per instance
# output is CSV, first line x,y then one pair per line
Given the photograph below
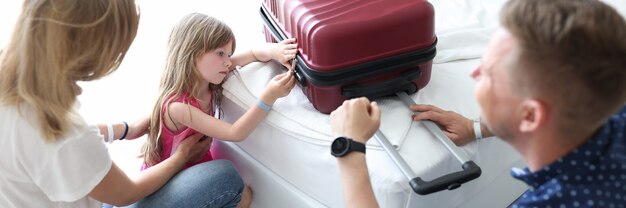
x,y
118,189
282,52
194,118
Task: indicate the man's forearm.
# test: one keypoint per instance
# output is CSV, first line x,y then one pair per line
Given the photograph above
x,y
356,181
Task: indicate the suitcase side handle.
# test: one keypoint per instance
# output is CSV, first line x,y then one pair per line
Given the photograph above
x,y
402,83
451,181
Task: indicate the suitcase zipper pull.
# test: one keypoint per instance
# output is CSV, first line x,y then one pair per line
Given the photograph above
x,y
301,80
293,64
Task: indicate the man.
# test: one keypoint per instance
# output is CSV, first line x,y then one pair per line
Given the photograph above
x,y
549,84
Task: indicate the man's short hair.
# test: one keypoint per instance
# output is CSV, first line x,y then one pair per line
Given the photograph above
x,y
572,54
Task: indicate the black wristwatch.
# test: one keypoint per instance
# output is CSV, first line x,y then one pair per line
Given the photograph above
x,y
342,146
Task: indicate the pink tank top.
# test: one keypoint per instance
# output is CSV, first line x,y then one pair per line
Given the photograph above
x,y
170,139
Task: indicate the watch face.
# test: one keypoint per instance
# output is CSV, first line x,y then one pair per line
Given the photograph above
x,y
339,146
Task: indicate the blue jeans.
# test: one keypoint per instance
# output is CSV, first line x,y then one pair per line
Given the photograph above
x,y
211,184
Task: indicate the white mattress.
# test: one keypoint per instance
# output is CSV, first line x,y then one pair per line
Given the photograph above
x,y
293,144
287,158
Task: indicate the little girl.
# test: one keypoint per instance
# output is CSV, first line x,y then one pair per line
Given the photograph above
x,y
198,61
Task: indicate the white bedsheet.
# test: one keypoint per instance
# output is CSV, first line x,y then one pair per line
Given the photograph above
x,y
293,142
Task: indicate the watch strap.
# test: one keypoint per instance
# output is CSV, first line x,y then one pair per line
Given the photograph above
x,y
357,146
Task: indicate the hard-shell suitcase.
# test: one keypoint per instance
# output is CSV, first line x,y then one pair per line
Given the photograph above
x,y
353,48
373,48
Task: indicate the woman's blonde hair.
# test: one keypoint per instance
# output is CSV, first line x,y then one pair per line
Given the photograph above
x,y
195,35
57,43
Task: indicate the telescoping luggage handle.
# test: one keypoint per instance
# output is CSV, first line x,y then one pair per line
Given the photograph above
x,y
451,181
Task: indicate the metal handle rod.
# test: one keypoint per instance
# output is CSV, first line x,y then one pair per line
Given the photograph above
x,y
434,129
393,154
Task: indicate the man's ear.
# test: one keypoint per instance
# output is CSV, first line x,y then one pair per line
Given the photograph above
x,y
534,115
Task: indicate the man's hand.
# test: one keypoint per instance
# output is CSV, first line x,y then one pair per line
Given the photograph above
x,y
357,119
458,128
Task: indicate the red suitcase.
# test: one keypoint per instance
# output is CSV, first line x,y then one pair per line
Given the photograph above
x,y
353,48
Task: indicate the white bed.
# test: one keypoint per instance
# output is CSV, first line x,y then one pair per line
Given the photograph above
x,y
287,159
288,156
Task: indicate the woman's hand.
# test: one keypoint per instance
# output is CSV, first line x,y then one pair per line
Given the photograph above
x,y
193,148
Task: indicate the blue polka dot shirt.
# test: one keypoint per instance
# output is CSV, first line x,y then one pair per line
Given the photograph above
x,y
593,175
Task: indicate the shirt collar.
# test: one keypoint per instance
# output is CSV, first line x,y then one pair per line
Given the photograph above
x,y
584,157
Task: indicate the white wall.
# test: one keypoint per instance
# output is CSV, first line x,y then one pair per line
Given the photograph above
x,y
130,92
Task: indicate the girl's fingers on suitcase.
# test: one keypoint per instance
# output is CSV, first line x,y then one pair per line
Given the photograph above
x,y
283,78
279,77
287,86
288,66
285,58
290,52
290,46
288,40
286,47
281,85
292,82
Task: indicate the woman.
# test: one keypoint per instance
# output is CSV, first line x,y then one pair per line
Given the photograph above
x,y
49,156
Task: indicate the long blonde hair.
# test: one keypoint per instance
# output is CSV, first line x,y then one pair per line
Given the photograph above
x,y
195,35
57,43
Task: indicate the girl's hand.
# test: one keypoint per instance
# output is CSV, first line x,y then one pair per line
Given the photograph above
x,y
193,148
458,128
138,128
285,51
279,86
